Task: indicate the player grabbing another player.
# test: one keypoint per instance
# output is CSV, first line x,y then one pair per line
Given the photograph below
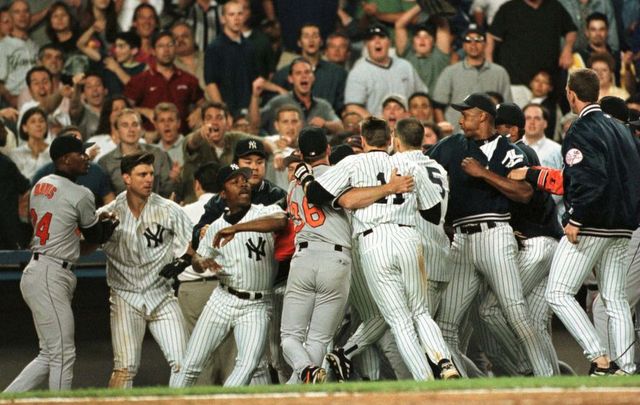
x,y
602,192
152,232
246,269
58,208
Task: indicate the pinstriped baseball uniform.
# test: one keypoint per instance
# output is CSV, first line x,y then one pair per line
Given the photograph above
x,y
248,260
139,296
391,255
483,243
318,283
58,207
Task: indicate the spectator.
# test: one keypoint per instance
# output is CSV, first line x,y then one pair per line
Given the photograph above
x,y
34,153
373,78
145,23
485,10
579,10
265,57
14,186
522,25
129,17
229,65
604,65
106,137
86,103
99,25
17,53
120,68
351,122
51,57
394,108
338,50
188,58
565,123
129,129
165,82
432,135
213,142
541,87
241,123
288,124
330,79
316,111
167,121
63,30
430,49
421,107
471,75
204,18
386,12
95,180
6,24
55,103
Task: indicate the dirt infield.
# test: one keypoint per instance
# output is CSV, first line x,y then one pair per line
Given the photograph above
x,y
608,396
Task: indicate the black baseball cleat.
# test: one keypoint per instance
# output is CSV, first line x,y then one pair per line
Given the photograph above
x,y
447,370
340,364
612,370
313,375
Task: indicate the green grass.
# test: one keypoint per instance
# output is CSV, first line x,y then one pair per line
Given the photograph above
x,y
384,386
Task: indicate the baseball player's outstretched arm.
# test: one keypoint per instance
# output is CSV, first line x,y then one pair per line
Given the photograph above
x,y
543,178
362,197
518,191
200,264
269,223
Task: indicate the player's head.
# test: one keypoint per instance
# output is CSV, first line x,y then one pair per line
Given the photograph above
x,y
313,145
375,133
232,184
340,152
138,173
615,107
250,153
205,178
68,155
478,114
409,135
129,126
583,87
510,121
217,119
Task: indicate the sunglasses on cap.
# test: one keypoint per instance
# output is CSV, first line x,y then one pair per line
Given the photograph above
x,y
469,39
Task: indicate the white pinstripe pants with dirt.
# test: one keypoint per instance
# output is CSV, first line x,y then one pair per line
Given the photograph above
x,y
490,254
534,262
249,320
393,266
571,265
128,325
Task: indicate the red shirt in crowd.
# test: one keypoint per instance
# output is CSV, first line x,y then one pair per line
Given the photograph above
x,y
149,88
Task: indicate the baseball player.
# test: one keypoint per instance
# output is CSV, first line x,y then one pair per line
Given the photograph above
x,y
318,283
153,231
59,207
601,196
483,243
390,247
247,269
537,229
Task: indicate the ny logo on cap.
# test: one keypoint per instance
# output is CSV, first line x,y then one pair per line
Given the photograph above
x,y
234,166
253,145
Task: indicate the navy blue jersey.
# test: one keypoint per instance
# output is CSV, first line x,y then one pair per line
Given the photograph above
x,y
472,199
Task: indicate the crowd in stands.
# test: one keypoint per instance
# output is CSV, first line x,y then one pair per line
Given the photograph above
x,y
202,75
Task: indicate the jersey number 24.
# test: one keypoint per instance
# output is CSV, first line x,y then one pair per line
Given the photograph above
x,y
41,228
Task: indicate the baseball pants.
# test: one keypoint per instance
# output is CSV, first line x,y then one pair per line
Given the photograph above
x,y
128,325
490,253
249,320
393,265
48,289
571,264
600,318
192,297
314,301
534,262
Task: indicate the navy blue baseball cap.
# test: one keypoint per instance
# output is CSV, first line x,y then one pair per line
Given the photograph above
x,y
312,142
477,100
229,172
250,146
510,114
376,29
67,144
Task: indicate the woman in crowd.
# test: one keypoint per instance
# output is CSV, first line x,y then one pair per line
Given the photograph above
x,y
34,153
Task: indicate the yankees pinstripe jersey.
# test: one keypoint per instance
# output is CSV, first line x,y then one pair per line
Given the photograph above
x,y
140,247
373,169
487,203
58,207
248,258
312,223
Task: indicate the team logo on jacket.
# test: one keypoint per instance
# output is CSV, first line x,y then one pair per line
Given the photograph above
x,y
573,157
